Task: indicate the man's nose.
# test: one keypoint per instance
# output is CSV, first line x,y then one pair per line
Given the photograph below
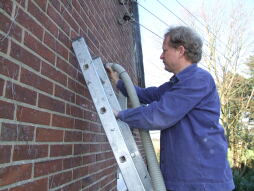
x,y
162,56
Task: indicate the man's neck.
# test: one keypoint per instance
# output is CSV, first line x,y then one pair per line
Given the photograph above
x,y
182,65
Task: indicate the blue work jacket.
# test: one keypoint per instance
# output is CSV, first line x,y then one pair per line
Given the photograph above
x,y
186,109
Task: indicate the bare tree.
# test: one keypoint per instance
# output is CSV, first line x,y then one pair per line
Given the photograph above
x,y
227,41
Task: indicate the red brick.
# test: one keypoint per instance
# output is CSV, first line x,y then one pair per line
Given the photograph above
x,y
61,50
8,68
95,147
72,162
51,104
39,48
60,150
29,23
94,40
36,81
74,34
16,132
25,132
69,19
6,6
83,125
6,110
10,28
26,152
64,39
95,127
85,103
80,172
24,56
81,149
61,121
73,186
101,156
50,41
105,147
22,3
93,49
72,136
5,151
22,94
92,168
48,167
12,174
76,87
73,61
38,185
1,86
55,4
80,22
41,16
67,68
8,132
3,44
101,138
95,186
87,94
76,5
64,94
110,186
74,111
59,179
58,19
84,14
53,74
32,116
42,4
48,135
89,180
89,137
91,116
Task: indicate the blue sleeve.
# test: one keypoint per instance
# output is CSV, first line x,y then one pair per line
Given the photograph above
x,y
145,95
172,106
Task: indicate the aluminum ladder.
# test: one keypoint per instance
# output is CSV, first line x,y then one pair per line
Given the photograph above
x,y
125,150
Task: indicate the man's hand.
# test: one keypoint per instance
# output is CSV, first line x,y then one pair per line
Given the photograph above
x,y
116,113
114,77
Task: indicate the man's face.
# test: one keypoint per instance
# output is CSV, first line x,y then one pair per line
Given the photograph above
x,y
169,56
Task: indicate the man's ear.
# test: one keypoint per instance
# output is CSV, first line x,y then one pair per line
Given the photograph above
x,y
181,50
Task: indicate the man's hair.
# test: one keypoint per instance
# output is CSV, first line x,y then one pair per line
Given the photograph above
x,y
189,39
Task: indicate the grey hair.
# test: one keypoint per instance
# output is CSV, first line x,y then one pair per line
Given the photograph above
x,y
189,39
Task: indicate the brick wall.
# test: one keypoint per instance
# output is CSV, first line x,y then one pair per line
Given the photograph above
x,y
50,134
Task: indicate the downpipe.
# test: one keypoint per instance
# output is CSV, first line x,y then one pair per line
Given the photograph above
x,y
153,166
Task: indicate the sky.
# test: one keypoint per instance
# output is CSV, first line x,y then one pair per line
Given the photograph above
x,y
151,43
156,16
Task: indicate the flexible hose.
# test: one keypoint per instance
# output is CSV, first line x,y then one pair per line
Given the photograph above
x,y
153,166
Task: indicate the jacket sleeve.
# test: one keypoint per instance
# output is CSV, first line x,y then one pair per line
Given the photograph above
x,y
172,106
145,95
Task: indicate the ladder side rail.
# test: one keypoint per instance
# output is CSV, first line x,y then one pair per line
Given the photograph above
x,y
126,132
123,157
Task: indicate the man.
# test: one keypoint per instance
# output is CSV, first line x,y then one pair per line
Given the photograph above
x,y
186,110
